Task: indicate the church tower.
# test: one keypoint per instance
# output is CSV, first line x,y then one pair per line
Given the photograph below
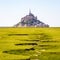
x,y
30,14
29,11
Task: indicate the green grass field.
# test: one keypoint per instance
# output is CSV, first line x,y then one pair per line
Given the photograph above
x,y
30,43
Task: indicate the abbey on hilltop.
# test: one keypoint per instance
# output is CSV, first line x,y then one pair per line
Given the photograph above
x,y
30,21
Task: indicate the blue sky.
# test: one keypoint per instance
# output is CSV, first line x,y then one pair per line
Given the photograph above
x,y
11,11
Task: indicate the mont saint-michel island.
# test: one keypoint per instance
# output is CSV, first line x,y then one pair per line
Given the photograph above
x,y
30,21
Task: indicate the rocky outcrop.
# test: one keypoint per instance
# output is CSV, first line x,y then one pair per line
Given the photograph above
x,y
30,21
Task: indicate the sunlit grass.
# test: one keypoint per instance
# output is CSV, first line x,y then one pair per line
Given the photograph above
x,y
29,43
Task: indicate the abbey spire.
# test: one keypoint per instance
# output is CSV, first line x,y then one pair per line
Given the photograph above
x,y
29,11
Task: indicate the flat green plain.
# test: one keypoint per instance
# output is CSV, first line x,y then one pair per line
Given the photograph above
x,y
29,43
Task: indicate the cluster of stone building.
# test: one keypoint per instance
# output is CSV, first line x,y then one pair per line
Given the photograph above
x,y
30,21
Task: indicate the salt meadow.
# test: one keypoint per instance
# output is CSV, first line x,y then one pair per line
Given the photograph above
x,y
30,43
